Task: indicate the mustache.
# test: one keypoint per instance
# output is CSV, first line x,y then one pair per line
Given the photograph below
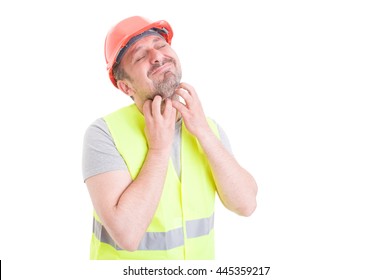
x,y
157,65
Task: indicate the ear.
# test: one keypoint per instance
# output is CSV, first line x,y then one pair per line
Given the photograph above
x,y
126,88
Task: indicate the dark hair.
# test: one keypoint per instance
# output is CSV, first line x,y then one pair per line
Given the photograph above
x,y
119,72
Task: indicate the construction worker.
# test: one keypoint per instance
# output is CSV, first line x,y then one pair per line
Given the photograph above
x,y
153,167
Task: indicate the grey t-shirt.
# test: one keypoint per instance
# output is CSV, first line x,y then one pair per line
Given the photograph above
x,y
100,154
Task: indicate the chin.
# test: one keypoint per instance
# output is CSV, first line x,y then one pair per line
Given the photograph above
x,y
167,87
167,93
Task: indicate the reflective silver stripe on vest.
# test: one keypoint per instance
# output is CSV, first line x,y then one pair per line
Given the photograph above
x,y
161,240
102,235
199,227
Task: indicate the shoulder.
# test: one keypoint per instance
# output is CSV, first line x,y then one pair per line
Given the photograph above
x,y
99,126
97,132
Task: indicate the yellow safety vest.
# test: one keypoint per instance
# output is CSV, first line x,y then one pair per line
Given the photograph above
x,y
183,224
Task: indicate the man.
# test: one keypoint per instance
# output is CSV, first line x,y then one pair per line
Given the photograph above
x,y
152,168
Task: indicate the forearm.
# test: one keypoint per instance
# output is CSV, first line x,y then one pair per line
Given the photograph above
x,y
137,204
125,206
236,188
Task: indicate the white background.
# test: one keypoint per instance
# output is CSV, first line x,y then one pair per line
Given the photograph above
x,y
302,88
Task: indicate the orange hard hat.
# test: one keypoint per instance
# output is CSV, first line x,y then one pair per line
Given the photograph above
x,y
119,36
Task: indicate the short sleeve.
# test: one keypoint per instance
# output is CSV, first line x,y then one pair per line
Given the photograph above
x,y
100,154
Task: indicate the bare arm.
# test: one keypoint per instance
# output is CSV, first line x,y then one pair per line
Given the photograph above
x,y
126,207
237,189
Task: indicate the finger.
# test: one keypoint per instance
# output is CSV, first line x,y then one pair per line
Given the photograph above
x,y
180,108
184,94
168,108
172,112
156,106
189,88
147,108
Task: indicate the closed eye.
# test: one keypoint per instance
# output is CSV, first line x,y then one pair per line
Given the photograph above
x,y
139,58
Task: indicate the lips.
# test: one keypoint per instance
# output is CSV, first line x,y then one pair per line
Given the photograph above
x,y
161,69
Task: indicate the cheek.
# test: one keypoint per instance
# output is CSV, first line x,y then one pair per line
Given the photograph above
x,y
178,64
138,77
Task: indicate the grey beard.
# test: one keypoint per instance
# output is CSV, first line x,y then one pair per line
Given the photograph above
x,y
166,87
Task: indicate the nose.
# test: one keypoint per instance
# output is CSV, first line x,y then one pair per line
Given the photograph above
x,y
156,56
